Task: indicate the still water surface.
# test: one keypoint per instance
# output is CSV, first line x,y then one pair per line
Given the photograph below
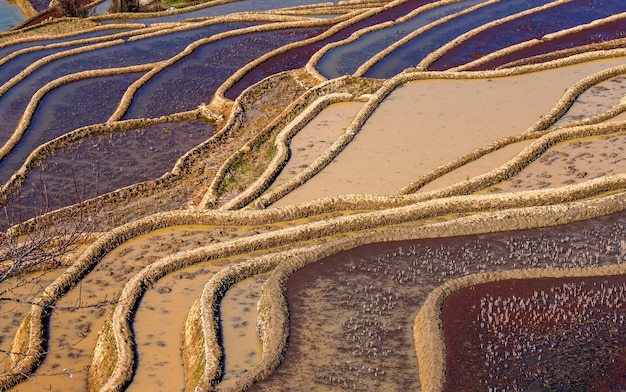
x,y
10,15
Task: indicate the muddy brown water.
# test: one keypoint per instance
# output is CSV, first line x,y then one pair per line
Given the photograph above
x,y
480,166
73,328
569,163
238,315
428,123
316,137
595,101
11,312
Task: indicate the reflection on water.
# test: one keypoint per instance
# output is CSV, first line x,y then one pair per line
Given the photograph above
x,y
411,53
223,9
298,57
357,332
103,7
59,113
15,100
194,79
10,15
529,27
42,41
101,164
345,59
514,334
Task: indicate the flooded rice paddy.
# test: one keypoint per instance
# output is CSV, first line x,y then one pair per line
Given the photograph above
x,y
193,80
345,59
546,334
299,56
58,114
10,15
351,313
419,134
570,162
533,26
412,52
357,332
94,166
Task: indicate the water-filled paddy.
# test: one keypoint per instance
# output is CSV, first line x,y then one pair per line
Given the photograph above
x,y
194,79
351,314
102,164
413,132
14,101
74,329
43,41
298,57
411,53
10,15
238,315
533,26
595,101
11,68
537,333
569,163
25,288
316,137
345,59
58,114
222,9
605,32
358,307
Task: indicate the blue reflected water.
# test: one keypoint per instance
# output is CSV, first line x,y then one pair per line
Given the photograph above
x,y
345,59
60,112
224,9
194,79
103,7
12,48
10,15
13,103
97,165
410,54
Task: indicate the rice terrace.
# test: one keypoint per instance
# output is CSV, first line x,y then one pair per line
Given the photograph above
x,y
265,195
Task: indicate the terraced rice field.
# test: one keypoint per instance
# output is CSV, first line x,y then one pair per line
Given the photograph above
x,y
362,195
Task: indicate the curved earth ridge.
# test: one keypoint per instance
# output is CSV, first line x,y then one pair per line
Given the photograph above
x,y
249,127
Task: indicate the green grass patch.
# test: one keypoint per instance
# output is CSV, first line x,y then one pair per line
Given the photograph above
x,y
248,166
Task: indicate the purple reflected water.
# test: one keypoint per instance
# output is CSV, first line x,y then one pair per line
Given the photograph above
x,y
411,53
532,26
602,33
98,165
298,57
194,79
65,109
346,59
13,103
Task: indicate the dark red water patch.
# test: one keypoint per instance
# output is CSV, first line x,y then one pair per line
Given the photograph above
x,y
298,57
351,314
543,334
52,13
